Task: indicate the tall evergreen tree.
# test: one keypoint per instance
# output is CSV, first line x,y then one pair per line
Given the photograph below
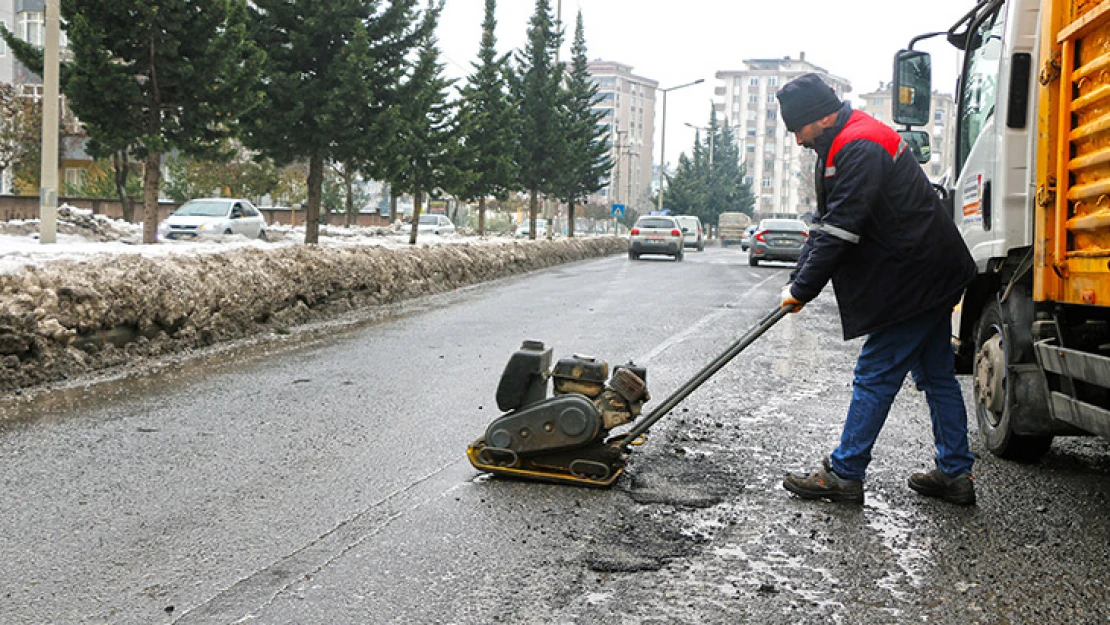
x,y
538,98
331,81
155,76
729,191
586,156
486,125
686,188
712,182
428,150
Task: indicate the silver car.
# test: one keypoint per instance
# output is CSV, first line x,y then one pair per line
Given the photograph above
x,y
435,224
656,234
214,217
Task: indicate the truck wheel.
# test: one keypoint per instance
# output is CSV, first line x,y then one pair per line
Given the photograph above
x,y
994,393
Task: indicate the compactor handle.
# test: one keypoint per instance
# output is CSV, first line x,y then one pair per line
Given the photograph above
x,y
693,383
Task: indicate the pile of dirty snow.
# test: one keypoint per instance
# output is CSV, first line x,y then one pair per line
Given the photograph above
x,y
97,299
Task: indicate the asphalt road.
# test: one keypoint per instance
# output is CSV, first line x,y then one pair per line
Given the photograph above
x,y
320,478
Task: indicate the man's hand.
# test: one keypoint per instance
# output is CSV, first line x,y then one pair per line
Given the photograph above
x,y
789,301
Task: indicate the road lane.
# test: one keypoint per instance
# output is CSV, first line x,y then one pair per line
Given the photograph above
x,y
174,495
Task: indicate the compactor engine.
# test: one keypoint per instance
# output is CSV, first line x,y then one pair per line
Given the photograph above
x,y
562,435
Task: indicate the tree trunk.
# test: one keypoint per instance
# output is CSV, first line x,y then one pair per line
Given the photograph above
x,y
533,211
417,199
315,194
121,169
151,177
482,216
570,216
392,207
348,180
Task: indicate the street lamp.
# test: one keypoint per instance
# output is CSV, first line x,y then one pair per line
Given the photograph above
x,y
708,131
663,139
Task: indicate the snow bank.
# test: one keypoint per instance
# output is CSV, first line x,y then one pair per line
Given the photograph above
x,y
74,314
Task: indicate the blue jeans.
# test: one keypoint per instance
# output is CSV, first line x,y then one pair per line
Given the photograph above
x,y
920,345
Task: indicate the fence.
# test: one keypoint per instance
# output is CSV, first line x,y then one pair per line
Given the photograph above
x,y
26,207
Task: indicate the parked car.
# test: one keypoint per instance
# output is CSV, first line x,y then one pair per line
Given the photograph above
x,y
692,230
541,229
656,234
214,217
435,224
746,238
778,239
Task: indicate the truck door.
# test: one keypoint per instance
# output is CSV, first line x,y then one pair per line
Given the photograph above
x,y
976,133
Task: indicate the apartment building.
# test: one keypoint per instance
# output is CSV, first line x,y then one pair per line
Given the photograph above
x,y
27,20
779,171
942,125
628,107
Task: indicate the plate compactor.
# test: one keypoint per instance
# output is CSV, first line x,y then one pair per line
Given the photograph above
x,y
566,438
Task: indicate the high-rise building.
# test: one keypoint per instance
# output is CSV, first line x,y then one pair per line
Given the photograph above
x,y
779,171
942,125
628,105
26,19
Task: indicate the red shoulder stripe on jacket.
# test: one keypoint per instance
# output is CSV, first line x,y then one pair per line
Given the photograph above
x,y
862,126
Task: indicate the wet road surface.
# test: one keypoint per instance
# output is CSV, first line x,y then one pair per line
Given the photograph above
x,y
313,480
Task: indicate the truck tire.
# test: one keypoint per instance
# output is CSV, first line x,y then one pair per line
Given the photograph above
x,y
994,395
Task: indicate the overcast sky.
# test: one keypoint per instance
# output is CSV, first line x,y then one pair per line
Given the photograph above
x,y
679,41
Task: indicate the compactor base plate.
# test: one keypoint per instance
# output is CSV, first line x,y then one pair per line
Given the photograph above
x,y
596,466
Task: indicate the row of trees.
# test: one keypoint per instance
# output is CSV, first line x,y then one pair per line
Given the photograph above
x,y
351,85
711,181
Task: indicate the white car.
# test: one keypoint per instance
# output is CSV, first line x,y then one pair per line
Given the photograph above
x,y
541,229
691,228
435,224
214,217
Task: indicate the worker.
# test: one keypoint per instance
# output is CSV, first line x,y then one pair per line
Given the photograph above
x,y
898,266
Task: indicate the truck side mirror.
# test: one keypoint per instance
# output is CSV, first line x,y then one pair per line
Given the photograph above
x,y
918,143
913,86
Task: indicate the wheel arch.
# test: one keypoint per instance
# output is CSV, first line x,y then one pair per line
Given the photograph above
x,y
1004,277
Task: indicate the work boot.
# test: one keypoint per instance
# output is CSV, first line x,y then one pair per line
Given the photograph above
x,y
959,490
824,483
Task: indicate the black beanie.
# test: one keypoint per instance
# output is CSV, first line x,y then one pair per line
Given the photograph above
x,y
805,100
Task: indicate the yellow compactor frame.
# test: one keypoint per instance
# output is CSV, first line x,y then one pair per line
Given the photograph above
x,y
1073,154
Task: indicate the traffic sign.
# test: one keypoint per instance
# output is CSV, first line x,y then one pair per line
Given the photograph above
x,y
618,210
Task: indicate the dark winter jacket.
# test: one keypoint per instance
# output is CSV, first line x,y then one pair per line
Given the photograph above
x,y
881,234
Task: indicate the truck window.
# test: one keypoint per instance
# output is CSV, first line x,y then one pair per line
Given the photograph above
x,y
980,80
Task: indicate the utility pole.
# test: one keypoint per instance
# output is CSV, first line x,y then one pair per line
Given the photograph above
x,y
617,169
628,183
48,172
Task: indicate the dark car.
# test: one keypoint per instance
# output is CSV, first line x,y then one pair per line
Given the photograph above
x,y
778,239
